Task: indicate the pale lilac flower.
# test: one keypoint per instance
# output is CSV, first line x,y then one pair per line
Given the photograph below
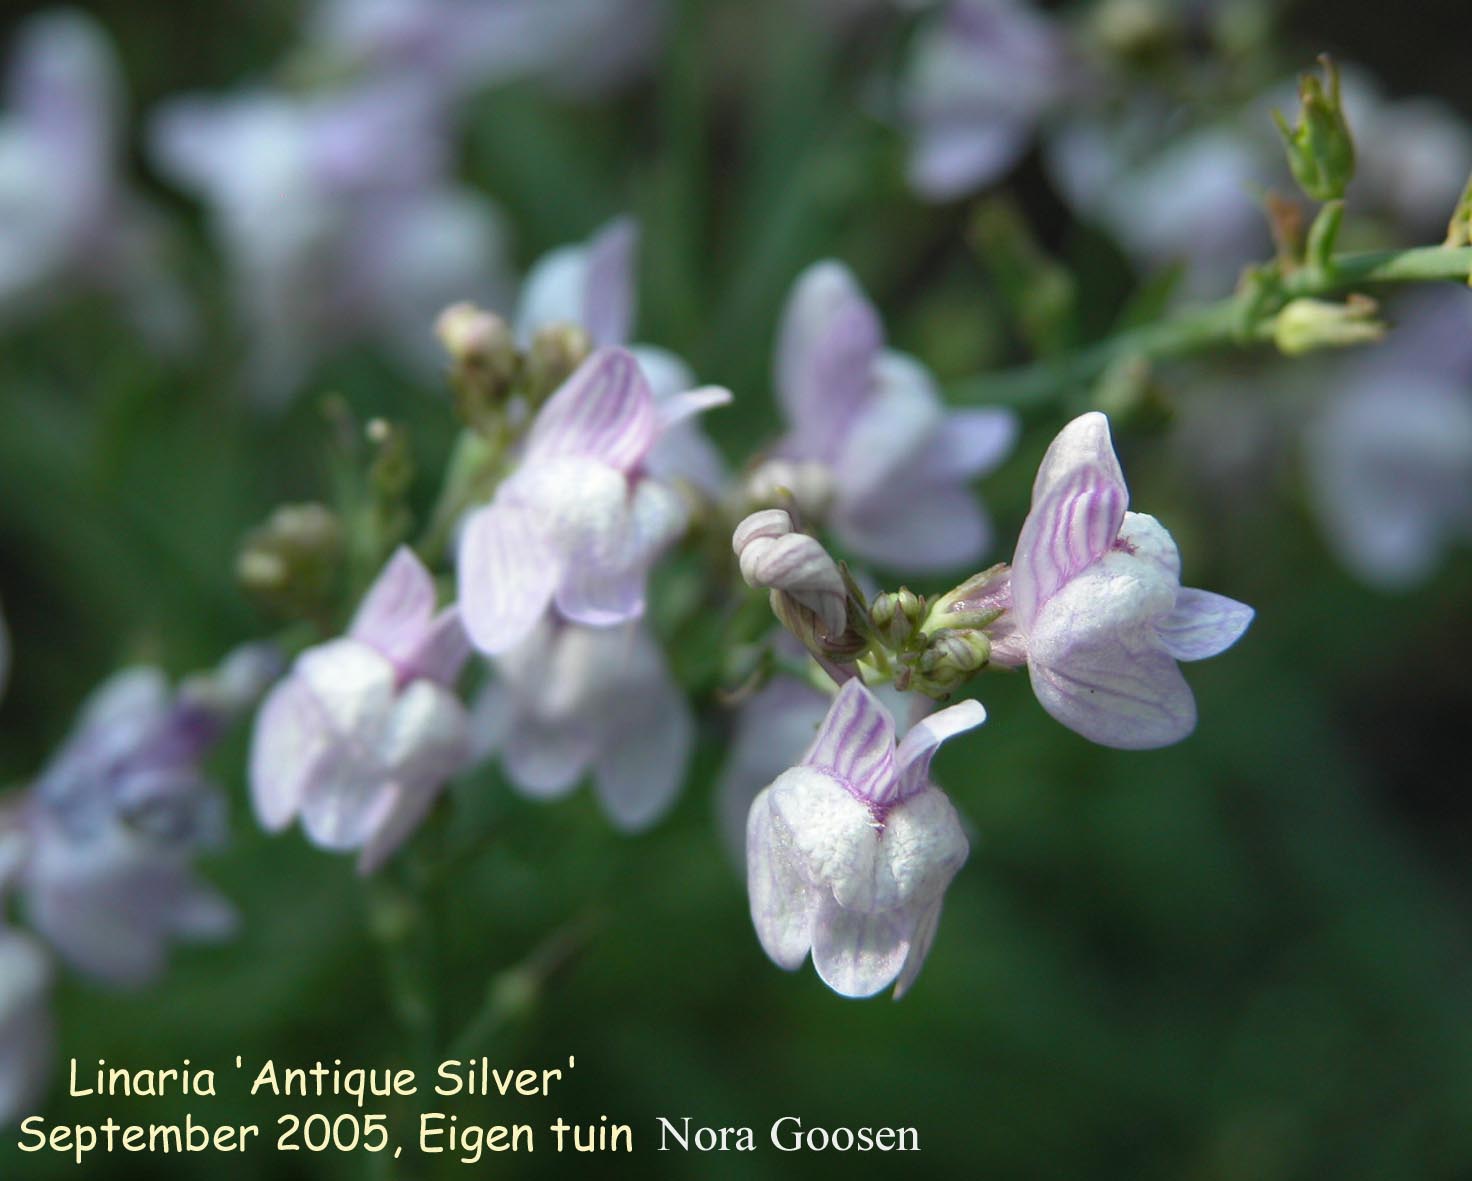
x,y
339,218
1170,197
894,465
359,739
1096,593
26,1036
107,836
980,80
67,220
1390,448
580,521
850,852
583,47
591,284
570,701
773,729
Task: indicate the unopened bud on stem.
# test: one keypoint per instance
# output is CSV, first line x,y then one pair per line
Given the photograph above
x,y
556,351
1306,325
483,360
808,592
1320,148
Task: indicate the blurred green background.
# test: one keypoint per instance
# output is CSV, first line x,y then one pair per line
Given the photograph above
x,y
1245,957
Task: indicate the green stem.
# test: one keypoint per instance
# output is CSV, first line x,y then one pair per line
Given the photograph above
x,y
1214,326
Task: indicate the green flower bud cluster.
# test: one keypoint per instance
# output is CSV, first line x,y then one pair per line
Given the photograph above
x,y
290,564
933,646
487,370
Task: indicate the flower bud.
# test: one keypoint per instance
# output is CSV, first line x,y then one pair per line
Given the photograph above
x,y
290,563
810,483
1305,325
556,352
1320,148
896,614
953,657
808,592
483,361
975,603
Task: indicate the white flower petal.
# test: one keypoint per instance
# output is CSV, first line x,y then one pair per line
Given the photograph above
x,y
1097,663
832,836
782,901
918,746
858,954
1202,624
507,574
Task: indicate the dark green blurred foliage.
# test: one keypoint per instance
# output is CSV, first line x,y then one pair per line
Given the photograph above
x,y
1245,958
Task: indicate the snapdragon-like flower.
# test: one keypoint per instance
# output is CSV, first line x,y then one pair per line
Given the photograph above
x,y
871,445
106,838
339,217
359,739
69,222
579,523
850,852
1389,449
25,1024
1096,592
773,728
980,79
591,284
570,701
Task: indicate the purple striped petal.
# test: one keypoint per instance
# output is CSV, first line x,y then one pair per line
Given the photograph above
x,y
830,339
855,744
798,565
918,747
604,411
1202,624
397,608
441,649
507,574
1078,506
